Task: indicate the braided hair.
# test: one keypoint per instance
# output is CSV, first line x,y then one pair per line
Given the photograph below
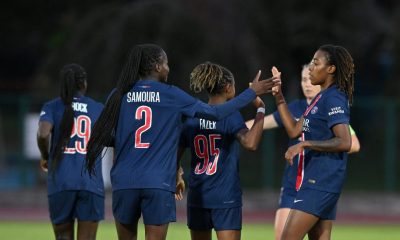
x,y
210,76
344,75
141,62
73,78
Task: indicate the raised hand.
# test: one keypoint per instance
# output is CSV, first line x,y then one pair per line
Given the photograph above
x,y
276,73
263,86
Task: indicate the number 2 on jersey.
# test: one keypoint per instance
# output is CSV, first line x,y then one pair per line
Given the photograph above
x,y
146,113
204,147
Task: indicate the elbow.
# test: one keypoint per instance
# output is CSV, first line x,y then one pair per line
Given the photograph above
x,y
251,146
292,134
43,135
346,147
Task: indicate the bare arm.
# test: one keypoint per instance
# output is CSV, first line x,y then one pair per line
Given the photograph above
x,y
250,139
43,142
180,183
269,122
293,127
355,144
341,142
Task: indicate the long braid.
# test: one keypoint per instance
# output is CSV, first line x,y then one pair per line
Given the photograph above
x,y
210,76
344,75
141,62
72,77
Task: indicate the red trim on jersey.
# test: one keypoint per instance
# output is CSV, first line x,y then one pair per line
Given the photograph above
x,y
312,105
300,167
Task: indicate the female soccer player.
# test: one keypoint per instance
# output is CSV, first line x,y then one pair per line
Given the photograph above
x,y
325,141
215,196
65,127
143,120
289,179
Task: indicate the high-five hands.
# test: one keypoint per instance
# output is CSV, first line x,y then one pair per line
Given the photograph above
x,y
264,86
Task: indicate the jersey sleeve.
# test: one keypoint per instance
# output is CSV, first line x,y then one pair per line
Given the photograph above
x,y
337,110
46,114
236,123
192,107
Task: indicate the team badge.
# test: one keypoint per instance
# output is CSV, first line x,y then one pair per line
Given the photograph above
x,y
314,110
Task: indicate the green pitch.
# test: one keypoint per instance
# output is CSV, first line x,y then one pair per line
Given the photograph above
x,y
43,230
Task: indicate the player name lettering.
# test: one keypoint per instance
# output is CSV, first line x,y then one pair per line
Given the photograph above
x,y
143,97
79,107
207,124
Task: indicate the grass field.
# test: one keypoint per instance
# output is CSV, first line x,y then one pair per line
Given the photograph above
x,y
179,231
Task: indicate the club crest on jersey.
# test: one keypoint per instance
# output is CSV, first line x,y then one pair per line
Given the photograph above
x,y
314,110
79,107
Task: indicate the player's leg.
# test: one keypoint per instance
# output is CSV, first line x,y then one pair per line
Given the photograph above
x,y
286,199
61,208
64,231
200,223
200,234
280,220
158,210
126,231
89,210
156,232
227,223
229,235
298,224
321,231
126,211
87,230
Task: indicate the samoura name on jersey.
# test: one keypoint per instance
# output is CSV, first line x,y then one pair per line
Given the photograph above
x,y
143,97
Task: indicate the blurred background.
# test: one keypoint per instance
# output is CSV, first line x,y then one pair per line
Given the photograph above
x,y
39,37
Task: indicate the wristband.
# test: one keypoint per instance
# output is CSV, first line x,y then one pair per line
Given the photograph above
x,y
261,110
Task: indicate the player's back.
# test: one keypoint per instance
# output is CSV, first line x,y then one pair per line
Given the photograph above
x,y
214,175
147,135
70,173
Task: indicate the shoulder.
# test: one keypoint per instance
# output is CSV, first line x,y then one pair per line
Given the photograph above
x,y
94,102
53,103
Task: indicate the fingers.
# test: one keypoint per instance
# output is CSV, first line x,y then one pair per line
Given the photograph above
x,y
257,77
275,72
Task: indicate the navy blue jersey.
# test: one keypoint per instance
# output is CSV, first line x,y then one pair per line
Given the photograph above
x,y
297,108
325,171
71,174
148,130
214,175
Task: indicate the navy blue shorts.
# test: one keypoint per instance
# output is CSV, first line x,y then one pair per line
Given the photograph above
x,y
66,206
220,219
287,197
319,203
157,206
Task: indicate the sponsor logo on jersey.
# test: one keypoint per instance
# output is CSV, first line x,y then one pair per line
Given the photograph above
x,y
143,97
336,110
298,200
306,125
79,107
42,113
